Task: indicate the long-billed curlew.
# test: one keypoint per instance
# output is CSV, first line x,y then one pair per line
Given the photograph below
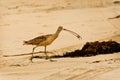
x,y
46,40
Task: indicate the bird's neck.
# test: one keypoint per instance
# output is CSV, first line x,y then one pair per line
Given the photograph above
x,y
57,33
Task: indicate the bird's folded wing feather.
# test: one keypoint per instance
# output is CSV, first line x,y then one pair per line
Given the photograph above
x,y
39,39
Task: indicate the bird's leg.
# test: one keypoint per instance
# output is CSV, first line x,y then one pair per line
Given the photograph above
x,y
32,53
47,57
46,53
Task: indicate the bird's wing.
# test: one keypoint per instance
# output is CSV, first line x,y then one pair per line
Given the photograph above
x,y
37,40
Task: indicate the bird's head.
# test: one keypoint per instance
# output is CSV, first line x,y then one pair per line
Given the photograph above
x,y
60,28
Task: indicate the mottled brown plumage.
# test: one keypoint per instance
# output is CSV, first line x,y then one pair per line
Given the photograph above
x,y
46,40
37,40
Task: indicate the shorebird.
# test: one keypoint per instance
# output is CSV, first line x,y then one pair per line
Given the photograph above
x,y
45,40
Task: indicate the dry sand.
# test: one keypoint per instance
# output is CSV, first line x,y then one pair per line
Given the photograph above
x,y
23,20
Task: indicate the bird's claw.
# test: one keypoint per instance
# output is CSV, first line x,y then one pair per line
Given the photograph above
x,y
31,59
52,60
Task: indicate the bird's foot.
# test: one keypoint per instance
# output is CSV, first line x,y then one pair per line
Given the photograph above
x,y
31,59
51,60
48,58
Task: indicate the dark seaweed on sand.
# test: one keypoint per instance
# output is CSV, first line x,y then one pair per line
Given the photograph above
x,y
93,48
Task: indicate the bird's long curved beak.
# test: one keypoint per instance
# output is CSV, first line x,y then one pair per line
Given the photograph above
x,y
74,33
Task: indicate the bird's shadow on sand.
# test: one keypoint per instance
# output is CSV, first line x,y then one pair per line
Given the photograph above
x,y
40,57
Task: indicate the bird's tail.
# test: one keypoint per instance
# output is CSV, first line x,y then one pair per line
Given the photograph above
x,y
25,42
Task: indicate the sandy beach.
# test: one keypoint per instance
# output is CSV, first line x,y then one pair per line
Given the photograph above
x,y
93,20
